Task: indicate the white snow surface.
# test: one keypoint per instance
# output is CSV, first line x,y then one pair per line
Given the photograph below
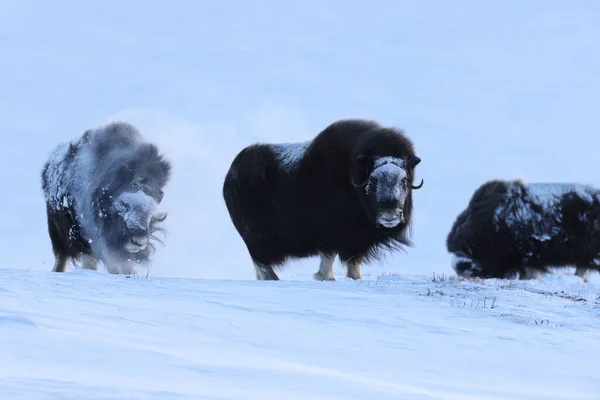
x,y
90,335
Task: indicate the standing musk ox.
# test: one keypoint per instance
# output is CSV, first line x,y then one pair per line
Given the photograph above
x,y
511,228
101,193
347,192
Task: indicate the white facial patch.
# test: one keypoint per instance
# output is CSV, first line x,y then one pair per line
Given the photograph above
x,y
390,195
387,176
136,208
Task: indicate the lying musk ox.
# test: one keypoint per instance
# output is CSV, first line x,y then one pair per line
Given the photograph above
x,y
511,228
101,193
347,192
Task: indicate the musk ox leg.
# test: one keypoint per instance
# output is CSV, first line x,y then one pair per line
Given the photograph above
x,y
265,272
353,268
531,273
325,272
89,262
60,263
582,273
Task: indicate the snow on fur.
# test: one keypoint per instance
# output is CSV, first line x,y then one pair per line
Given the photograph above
x,y
136,208
58,180
290,154
545,195
88,182
387,172
513,228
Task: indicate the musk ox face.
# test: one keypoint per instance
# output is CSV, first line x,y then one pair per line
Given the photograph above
x,y
127,216
128,225
383,184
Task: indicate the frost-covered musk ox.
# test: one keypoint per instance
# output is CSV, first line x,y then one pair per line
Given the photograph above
x,y
510,228
101,192
347,192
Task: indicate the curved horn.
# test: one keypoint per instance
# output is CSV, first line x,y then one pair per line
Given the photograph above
x,y
419,186
358,185
362,160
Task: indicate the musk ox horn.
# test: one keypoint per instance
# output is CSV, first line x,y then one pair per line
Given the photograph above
x,y
419,186
414,161
359,185
363,161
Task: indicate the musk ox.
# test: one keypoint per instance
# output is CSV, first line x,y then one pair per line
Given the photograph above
x,y
510,228
346,192
101,193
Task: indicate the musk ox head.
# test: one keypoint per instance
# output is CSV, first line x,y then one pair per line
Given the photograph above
x,y
384,185
125,209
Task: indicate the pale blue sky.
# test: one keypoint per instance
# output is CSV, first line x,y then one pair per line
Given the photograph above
x,y
485,90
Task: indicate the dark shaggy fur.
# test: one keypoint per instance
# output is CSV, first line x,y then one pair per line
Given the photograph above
x,y
510,228
292,206
90,186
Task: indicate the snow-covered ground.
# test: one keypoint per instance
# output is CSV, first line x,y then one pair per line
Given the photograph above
x,y
90,335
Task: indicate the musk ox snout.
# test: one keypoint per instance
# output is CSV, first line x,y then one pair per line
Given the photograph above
x,y
390,218
137,243
137,210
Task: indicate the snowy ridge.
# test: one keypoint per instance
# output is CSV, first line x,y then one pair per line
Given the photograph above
x,y
91,335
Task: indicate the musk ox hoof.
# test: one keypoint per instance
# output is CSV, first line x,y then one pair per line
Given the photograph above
x,y
318,277
352,274
531,273
582,273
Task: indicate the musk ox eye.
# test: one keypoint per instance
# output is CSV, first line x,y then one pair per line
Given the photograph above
x,y
372,182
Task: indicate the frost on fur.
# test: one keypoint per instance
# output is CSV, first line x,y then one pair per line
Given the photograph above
x,y
510,228
290,154
101,193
